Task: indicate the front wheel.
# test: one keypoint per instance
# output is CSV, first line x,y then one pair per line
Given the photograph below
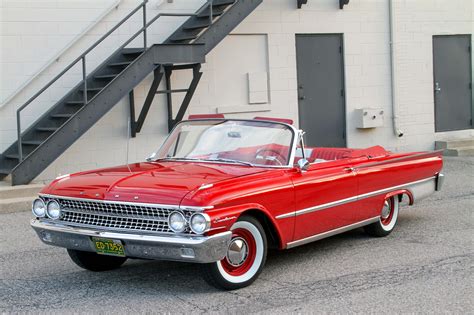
x,y
388,219
95,262
245,258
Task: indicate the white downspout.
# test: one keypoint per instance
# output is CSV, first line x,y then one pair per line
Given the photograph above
x,y
396,129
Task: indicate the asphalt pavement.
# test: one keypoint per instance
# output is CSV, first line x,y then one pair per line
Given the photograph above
x,y
424,266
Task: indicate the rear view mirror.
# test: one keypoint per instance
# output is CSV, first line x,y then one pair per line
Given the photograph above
x,y
303,165
234,134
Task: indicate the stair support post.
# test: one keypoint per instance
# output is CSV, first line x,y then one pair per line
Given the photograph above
x,y
131,98
158,75
169,98
197,74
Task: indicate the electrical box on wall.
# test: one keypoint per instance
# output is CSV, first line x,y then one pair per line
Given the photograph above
x,y
369,117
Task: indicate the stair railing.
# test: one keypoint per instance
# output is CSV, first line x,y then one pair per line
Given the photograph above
x,y
82,57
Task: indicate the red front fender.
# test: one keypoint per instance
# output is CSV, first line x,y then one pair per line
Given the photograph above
x,y
222,219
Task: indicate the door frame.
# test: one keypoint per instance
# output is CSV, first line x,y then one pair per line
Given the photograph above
x,y
471,77
343,78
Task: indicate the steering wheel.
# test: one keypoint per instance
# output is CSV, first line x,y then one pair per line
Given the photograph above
x,y
270,155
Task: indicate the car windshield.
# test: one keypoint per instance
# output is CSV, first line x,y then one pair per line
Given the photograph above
x,y
230,141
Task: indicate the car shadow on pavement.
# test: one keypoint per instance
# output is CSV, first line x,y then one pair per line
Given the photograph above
x,y
138,277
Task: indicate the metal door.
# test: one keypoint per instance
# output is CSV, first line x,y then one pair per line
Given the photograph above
x,y
452,82
321,89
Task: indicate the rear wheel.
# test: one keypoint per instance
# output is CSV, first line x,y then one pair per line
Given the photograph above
x,y
388,219
95,262
245,258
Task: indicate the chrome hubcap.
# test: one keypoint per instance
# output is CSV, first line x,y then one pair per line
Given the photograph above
x,y
237,252
386,210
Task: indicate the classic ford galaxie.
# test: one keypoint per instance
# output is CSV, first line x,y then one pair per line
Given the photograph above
x,y
220,192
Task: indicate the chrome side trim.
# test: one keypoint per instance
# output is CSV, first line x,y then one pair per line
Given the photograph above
x,y
349,199
331,233
152,205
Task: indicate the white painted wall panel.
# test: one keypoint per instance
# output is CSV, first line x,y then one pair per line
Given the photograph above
x,y
365,29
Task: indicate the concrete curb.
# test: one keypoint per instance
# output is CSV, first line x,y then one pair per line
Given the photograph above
x,y
18,198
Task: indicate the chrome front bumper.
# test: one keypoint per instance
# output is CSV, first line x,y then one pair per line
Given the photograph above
x,y
198,249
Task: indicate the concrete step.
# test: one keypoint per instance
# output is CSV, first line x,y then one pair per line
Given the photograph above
x,y
461,151
31,190
454,144
18,198
15,204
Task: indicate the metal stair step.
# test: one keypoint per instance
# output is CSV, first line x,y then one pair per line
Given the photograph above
x,y
182,37
5,171
202,23
12,156
61,115
92,89
47,129
31,142
75,102
223,2
132,51
105,76
120,64
215,12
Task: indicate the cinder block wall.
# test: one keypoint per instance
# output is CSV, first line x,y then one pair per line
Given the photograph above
x,y
265,42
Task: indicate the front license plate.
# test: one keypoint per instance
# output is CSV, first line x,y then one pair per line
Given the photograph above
x,y
107,246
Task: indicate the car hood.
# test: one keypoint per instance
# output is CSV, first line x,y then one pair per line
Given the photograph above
x,y
163,183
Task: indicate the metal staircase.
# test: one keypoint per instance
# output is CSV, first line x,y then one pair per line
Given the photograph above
x,y
62,124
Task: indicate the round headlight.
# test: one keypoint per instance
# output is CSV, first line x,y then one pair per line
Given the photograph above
x,y
53,210
177,222
39,208
200,223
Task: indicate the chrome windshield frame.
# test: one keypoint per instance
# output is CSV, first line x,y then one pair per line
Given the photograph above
x,y
294,141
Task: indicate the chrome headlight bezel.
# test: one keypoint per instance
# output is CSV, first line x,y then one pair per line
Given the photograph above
x,y
204,217
33,207
50,204
183,220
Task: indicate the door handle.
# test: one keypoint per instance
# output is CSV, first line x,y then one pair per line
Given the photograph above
x,y
437,87
349,169
302,97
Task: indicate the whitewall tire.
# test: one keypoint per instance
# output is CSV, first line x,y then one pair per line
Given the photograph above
x,y
245,258
388,218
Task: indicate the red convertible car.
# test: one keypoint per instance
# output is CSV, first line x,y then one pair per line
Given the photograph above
x,y
220,192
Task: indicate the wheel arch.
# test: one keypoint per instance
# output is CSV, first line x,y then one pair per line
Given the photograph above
x,y
400,193
273,235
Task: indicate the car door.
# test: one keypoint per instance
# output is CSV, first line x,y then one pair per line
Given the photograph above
x,y
323,196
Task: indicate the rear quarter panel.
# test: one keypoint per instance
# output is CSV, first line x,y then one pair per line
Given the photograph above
x,y
393,171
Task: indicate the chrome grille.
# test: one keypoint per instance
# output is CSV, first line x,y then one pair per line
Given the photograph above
x,y
116,215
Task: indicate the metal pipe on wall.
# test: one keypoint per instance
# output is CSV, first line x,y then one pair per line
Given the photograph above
x,y
396,128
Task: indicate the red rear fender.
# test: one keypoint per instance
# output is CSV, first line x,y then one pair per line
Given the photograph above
x,y
401,192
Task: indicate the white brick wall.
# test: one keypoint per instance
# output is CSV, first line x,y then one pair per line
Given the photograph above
x,y
35,33
365,28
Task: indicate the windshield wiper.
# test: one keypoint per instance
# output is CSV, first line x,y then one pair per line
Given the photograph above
x,y
231,161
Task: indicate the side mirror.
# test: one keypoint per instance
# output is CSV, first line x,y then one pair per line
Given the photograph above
x,y
303,165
